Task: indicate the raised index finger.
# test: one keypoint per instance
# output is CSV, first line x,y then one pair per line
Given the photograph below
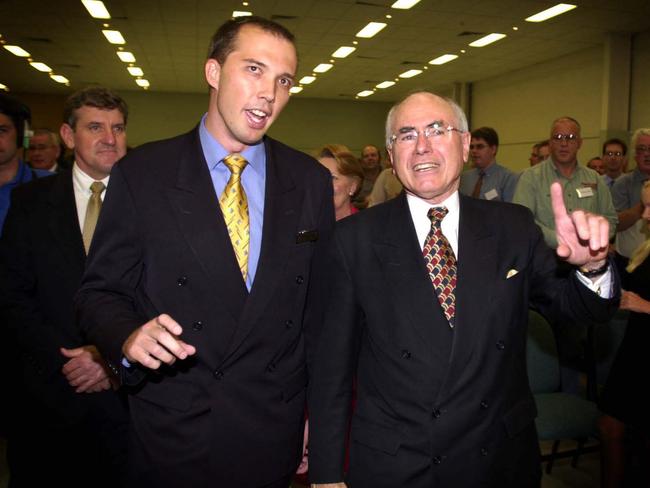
x,y
557,201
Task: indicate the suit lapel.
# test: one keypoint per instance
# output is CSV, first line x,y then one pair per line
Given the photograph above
x,y
282,208
476,271
63,222
196,208
406,274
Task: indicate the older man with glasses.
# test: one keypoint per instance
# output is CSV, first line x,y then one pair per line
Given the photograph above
x,y
44,150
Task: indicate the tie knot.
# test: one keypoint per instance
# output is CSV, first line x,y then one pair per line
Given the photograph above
x,y
436,214
97,187
481,173
235,163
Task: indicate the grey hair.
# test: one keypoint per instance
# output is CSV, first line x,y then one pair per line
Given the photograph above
x,y
638,133
567,118
459,114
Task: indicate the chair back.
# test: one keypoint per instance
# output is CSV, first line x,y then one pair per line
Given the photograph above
x,y
541,356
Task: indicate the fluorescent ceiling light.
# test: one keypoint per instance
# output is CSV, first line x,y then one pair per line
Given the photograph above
x,y
371,29
322,68
404,4
4,87
60,79
410,73
143,83
295,89
306,80
17,51
135,71
241,13
114,37
445,58
559,9
385,84
343,51
489,39
96,9
126,56
41,67
365,93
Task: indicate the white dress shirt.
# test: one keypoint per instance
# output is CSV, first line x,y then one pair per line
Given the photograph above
x,y
81,183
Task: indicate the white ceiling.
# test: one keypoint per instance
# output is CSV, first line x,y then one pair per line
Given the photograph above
x,y
169,39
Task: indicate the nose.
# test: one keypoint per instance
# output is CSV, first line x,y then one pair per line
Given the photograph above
x,y
423,143
268,89
109,137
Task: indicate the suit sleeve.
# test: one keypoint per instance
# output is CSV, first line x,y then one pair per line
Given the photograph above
x,y
106,302
330,388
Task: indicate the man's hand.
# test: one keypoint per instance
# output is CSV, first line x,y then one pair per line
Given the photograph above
x,y
304,463
633,302
85,370
157,342
582,237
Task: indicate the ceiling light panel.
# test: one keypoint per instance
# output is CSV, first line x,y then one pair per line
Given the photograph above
x,y
96,9
241,13
60,79
135,71
404,4
343,51
445,58
17,51
410,73
114,37
306,80
371,29
323,68
489,39
4,87
558,9
295,89
126,56
365,93
385,84
41,67
143,83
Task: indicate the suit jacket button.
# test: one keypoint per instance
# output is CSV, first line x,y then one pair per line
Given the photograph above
x,y
181,281
218,374
299,279
436,413
484,451
484,404
288,324
501,345
406,354
198,325
437,460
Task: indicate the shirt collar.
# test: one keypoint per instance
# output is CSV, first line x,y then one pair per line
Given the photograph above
x,y
421,207
81,181
214,152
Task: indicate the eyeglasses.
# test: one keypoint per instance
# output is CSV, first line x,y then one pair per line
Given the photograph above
x,y
642,149
613,153
564,137
432,133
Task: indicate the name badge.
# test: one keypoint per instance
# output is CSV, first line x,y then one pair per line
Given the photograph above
x,y
491,195
585,192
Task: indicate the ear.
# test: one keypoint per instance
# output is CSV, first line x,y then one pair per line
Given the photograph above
x,y
389,153
67,135
466,138
212,73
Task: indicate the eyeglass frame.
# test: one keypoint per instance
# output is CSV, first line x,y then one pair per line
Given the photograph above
x,y
565,137
642,149
426,132
611,154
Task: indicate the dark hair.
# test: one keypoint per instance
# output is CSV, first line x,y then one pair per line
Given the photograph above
x,y
488,134
542,143
346,162
223,41
18,112
94,96
615,140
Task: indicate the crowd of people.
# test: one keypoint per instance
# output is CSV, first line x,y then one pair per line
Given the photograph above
x,y
172,314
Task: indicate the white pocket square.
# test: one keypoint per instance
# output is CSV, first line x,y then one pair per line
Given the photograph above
x,y
511,273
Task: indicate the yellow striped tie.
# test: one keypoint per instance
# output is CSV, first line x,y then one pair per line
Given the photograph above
x,y
234,206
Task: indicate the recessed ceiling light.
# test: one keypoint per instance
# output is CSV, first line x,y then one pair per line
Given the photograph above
x,y
515,28
16,51
241,13
295,89
60,79
143,83
343,51
463,51
489,39
371,29
410,73
322,68
96,9
126,56
41,67
389,16
404,4
4,87
306,80
135,71
365,93
559,9
114,36
385,84
445,58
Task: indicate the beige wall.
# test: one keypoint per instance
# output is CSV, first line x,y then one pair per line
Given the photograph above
x,y
640,95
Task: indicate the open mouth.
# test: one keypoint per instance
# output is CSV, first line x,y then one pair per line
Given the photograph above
x,y
257,118
418,168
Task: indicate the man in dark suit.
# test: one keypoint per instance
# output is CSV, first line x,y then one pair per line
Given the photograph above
x,y
213,337
69,424
429,305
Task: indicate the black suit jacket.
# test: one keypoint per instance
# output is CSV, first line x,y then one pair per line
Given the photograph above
x,y
42,261
232,415
435,407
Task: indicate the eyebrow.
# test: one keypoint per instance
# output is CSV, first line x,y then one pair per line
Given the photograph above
x,y
264,65
409,128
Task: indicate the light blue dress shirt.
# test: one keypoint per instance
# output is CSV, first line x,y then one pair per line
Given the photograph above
x,y
253,181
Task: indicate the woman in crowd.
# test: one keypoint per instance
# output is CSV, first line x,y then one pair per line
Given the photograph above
x,y
346,176
627,416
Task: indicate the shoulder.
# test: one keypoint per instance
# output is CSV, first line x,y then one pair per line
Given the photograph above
x,y
497,211
39,188
298,162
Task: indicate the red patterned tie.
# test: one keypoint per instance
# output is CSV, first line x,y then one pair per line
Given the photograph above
x,y
441,264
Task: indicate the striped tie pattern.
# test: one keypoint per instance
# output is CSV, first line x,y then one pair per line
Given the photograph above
x,y
234,206
441,264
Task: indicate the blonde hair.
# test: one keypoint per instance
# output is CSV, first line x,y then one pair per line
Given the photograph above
x,y
346,162
640,253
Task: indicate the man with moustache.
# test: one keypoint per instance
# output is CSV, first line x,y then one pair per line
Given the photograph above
x,y
442,395
199,285
69,421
